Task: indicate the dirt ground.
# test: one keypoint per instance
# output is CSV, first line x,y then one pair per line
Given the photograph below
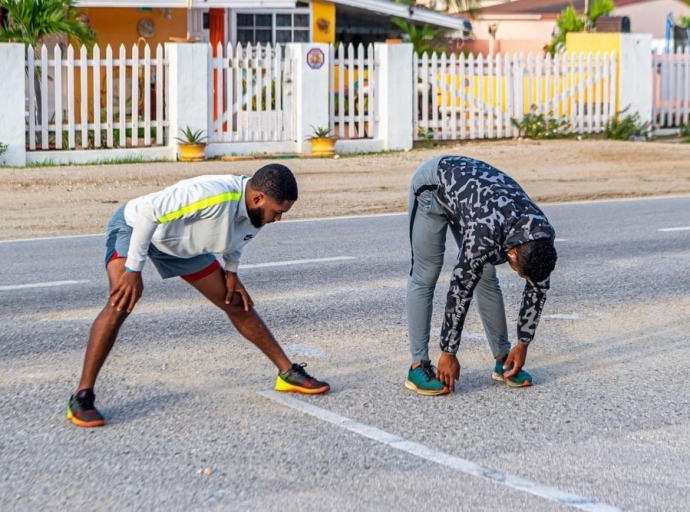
x,y
48,201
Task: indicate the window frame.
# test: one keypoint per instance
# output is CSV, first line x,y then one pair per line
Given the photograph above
x,y
274,28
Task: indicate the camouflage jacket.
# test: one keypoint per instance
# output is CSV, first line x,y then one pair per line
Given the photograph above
x,y
493,214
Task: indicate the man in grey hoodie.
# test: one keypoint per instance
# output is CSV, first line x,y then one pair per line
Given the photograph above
x,y
493,221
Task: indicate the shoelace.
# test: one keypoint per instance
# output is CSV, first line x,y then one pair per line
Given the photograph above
x,y
299,368
429,371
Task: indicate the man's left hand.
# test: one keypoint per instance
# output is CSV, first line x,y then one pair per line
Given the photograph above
x,y
234,285
516,357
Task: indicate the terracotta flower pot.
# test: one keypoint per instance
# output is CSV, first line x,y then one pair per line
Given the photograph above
x,y
192,152
322,146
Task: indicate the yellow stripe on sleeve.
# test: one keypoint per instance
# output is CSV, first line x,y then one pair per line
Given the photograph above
x,y
199,205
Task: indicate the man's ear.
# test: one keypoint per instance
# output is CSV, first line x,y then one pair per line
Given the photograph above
x,y
512,254
258,198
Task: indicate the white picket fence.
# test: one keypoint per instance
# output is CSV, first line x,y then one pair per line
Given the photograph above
x,y
462,97
671,89
95,101
352,91
247,94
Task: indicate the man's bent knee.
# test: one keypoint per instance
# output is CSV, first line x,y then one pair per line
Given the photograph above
x,y
236,306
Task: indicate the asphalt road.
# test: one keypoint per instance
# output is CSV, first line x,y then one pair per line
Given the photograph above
x,y
607,422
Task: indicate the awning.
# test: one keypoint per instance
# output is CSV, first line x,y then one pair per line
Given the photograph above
x,y
186,4
419,14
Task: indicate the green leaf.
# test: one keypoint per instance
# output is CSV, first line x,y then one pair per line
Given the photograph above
x,y
30,21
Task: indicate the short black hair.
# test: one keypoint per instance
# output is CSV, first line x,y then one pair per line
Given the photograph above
x,y
537,259
276,181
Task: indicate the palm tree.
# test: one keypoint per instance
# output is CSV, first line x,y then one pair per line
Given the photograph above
x,y
569,20
424,38
30,21
429,39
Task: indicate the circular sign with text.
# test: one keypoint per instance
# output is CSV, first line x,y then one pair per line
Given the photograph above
x,y
315,58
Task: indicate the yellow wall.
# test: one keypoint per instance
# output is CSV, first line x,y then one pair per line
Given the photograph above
x,y
117,26
583,42
325,11
587,42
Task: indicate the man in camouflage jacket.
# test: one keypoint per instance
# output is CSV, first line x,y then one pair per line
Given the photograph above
x,y
493,221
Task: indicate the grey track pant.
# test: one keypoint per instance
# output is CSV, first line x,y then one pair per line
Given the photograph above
x,y
428,227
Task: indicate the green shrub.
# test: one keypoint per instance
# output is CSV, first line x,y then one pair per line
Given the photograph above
x,y
536,125
3,148
684,133
426,135
626,127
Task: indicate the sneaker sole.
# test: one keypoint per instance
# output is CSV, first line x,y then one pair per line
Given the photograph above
x,y
498,377
425,392
281,385
82,423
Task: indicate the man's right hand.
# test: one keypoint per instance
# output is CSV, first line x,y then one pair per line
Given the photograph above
x,y
127,292
448,370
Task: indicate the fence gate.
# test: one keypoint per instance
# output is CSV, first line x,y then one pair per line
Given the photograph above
x,y
249,94
352,90
671,86
476,98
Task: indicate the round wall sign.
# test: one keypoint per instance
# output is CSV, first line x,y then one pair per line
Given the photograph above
x,y
146,27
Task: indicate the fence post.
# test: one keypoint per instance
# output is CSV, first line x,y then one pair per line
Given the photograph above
x,y
310,96
395,115
635,75
188,98
12,104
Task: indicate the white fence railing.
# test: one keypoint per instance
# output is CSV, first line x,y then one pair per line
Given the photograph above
x,y
671,89
247,94
95,101
353,86
474,98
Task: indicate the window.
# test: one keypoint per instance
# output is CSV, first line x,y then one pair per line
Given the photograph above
x,y
275,28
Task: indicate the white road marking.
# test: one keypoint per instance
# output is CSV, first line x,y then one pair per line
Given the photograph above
x,y
257,265
445,459
680,228
617,200
562,316
39,285
560,240
64,237
346,217
298,262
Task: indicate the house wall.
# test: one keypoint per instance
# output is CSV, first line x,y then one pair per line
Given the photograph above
x,y
512,36
518,30
504,47
117,26
650,17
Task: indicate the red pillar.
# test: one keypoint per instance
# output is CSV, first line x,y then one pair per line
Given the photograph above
x,y
216,19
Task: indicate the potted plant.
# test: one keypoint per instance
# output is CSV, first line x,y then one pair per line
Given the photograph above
x,y
322,141
192,145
